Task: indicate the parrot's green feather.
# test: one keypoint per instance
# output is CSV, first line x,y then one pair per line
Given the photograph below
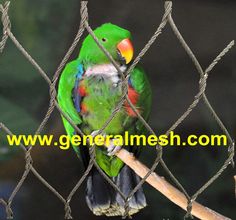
x,y
65,88
141,84
66,85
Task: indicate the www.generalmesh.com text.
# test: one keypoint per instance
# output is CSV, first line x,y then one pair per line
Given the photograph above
x,y
65,141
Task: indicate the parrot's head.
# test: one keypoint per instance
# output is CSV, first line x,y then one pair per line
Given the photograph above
x,y
116,40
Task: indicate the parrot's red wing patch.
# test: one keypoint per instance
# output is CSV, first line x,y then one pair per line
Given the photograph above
x,y
82,93
82,90
133,97
83,108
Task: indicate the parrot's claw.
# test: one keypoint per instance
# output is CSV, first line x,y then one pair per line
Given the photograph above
x,y
113,149
95,133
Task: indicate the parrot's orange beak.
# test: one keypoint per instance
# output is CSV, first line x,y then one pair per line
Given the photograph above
x,y
126,50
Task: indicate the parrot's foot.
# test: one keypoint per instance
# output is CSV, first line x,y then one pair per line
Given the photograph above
x,y
112,149
95,133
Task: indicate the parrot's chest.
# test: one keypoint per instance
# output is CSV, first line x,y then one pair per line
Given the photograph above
x,y
102,80
102,91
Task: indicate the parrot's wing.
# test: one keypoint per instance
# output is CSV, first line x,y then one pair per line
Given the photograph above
x,y
68,97
139,82
140,94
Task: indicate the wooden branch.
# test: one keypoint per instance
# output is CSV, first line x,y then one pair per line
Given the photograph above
x,y
167,189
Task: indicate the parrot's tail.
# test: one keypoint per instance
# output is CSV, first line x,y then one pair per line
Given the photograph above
x,y
103,199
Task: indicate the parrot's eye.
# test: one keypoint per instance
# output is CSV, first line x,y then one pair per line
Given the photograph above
x,y
104,39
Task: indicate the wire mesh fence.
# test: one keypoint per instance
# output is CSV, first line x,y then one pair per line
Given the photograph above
x,y
53,106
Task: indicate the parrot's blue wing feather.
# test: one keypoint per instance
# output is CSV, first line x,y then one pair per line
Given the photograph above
x,y
76,95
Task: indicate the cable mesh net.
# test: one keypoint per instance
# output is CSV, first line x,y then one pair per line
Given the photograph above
x,y
53,106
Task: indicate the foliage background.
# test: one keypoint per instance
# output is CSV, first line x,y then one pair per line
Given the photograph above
x,y
46,29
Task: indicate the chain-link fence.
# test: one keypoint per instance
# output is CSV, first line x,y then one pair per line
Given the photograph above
x,y
53,105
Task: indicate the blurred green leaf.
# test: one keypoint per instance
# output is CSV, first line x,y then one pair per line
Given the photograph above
x,y
18,121
14,68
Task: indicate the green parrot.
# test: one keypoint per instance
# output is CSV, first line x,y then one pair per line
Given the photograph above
x,y
88,91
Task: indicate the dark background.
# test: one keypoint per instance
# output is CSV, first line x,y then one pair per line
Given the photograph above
x,y
46,29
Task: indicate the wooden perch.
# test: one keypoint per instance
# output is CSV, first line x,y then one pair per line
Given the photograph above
x,y
167,189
